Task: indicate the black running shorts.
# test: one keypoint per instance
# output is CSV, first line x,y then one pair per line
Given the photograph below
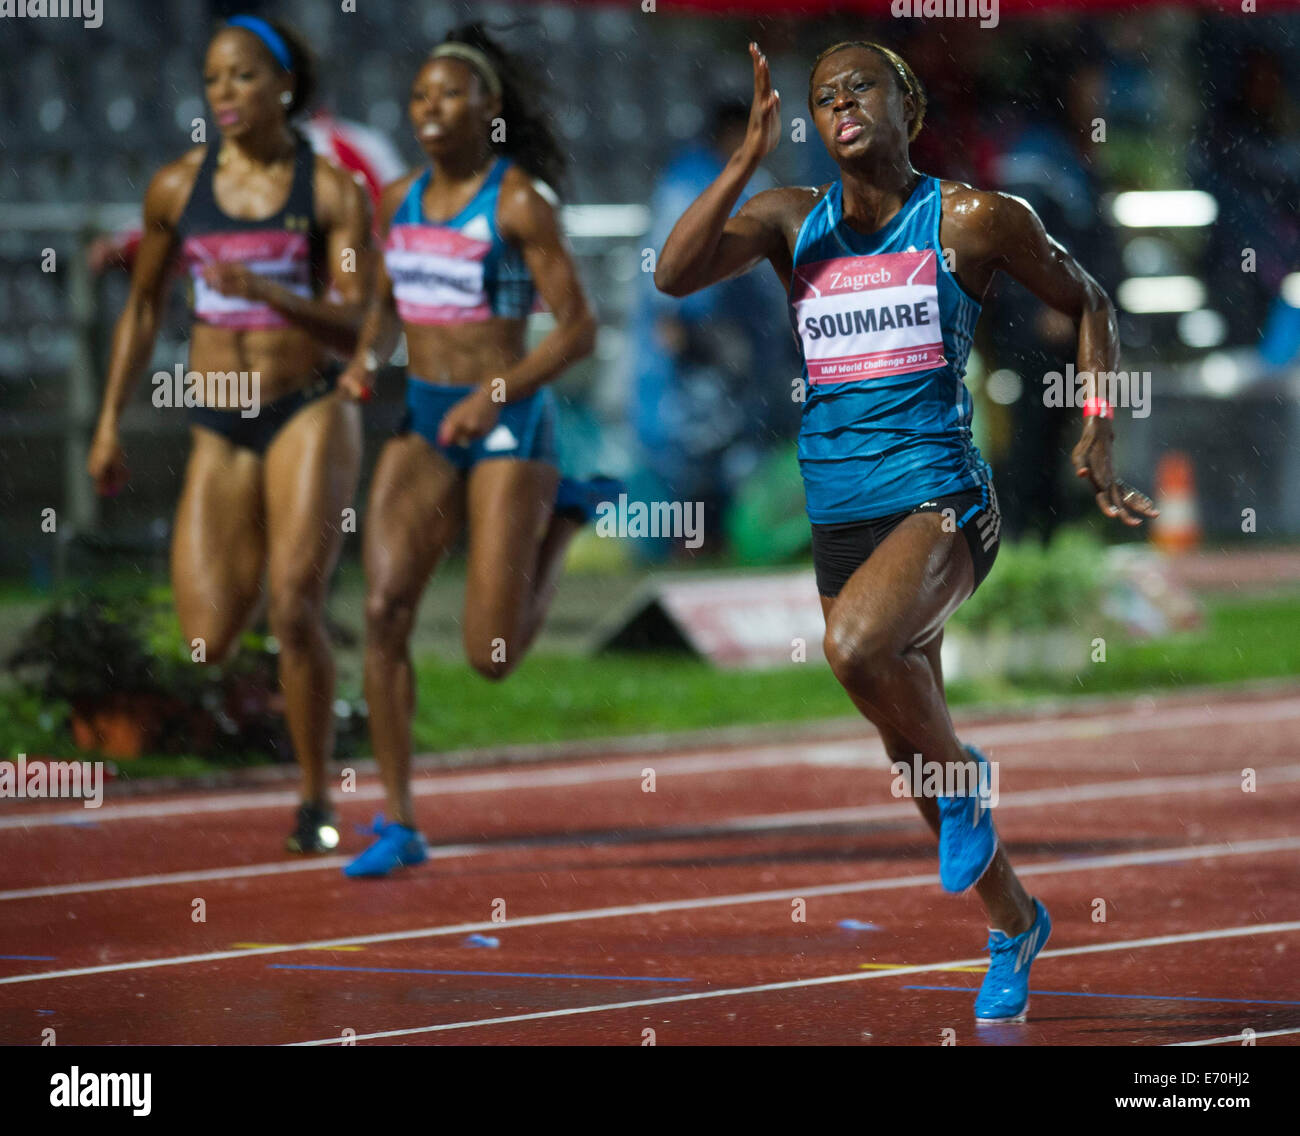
x,y
840,550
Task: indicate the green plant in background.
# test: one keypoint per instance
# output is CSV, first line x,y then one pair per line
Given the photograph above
x,y
82,649
766,522
555,697
33,724
123,648
1032,586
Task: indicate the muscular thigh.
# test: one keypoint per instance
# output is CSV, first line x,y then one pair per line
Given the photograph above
x,y
415,512
510,507
310,473
218,551
909,586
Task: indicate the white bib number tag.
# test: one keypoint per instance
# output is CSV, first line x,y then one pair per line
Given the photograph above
x,y
865,317
437,274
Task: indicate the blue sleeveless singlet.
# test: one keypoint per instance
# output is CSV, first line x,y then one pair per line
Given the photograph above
x,y
886,331
460,270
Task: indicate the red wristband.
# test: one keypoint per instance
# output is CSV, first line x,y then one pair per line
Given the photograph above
x,y
1097,408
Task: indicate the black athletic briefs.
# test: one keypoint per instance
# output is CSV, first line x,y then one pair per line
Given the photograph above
x,y
840,550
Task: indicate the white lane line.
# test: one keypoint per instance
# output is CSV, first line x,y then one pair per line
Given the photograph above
x,y
1036,798
868,750
239,872
1067,795
1089,863
1234,1039
434,785
825,980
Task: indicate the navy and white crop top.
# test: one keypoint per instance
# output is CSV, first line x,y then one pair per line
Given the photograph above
x,y
460,270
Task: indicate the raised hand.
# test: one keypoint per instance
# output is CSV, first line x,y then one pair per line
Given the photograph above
x,y
764,130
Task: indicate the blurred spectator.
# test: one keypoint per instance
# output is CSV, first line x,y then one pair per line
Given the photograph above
x,y
954,143
1052,164
712,372
1248,156
361,150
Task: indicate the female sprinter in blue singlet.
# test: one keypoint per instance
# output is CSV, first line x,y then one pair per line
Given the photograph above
x,y
884,270
262,226
468,242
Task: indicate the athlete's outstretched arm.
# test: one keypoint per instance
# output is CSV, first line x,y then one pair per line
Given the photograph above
x,y
529,221
380,328
376,341
137,326
1004,233
707,244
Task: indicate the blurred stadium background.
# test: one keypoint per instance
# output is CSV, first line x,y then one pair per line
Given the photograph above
x,y
1160,142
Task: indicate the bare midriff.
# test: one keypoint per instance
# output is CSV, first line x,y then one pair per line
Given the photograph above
x,y
464,354
284,358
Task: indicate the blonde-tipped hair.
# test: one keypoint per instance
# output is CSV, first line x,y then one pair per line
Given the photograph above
x,y
908,82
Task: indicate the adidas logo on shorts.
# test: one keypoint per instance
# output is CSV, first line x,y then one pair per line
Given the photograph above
x,y
500,439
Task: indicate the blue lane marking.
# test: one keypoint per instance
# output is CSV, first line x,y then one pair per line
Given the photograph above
x,y
1137,997
472,973
31,958
858,925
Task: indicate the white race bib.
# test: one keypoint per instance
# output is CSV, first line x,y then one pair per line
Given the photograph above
x,y
865,317
437,274
280,256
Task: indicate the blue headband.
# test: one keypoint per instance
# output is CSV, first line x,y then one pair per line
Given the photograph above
x,y
268,35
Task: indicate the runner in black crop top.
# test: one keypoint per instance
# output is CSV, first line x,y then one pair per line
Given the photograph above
x,y
286,248
262,227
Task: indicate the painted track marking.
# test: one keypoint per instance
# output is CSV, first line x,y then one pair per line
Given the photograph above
x,y
482,973
1095,791
825,980
1088,863
1128,997
711,761
1236,1037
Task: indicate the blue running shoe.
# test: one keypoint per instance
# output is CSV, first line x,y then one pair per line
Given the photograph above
x,y
578,498
967,839
1004,995
397,847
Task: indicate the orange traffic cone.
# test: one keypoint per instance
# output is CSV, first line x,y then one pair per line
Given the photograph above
x,y
1178,528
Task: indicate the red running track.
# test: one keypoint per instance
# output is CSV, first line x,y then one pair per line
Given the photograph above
x,y
617,911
